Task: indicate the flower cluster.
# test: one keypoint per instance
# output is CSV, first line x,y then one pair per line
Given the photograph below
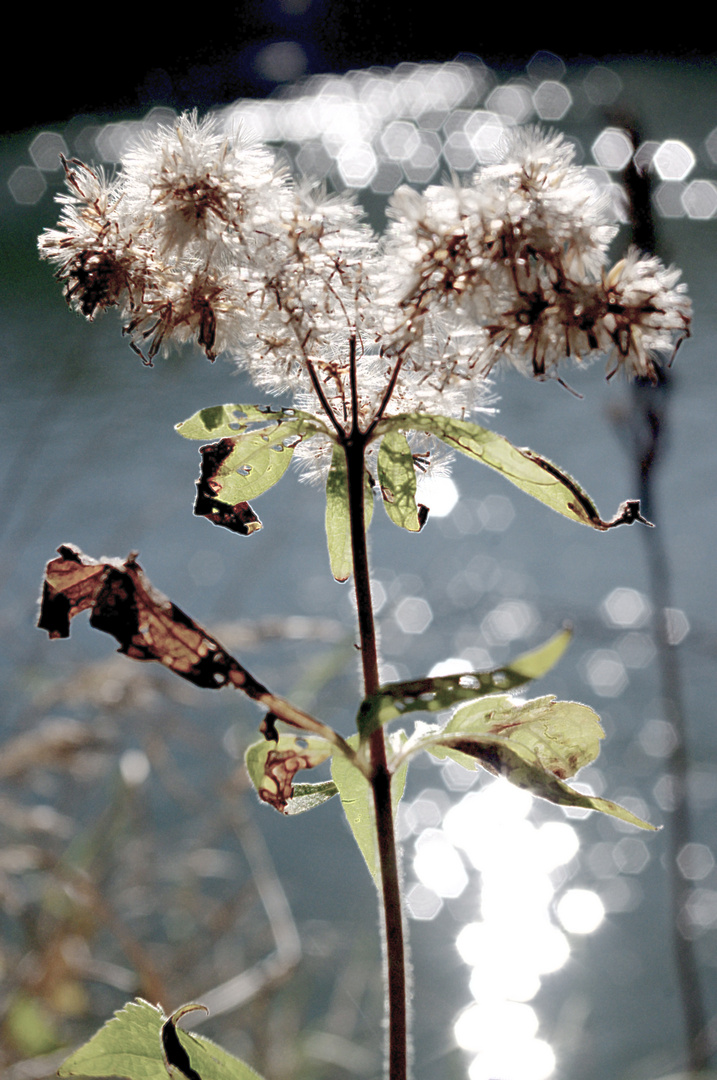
x,y
521,253
201,236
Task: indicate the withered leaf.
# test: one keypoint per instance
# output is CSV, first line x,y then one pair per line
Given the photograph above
x,y
239,518
280,768
146,624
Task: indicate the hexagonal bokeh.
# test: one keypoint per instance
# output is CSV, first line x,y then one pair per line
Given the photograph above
x,y
400,140
45,150
612,149
545,65
711,145
626,607
673,160
413,615
552,100
605,672
357,164
700,199
602,85
27,185
668,199
512,102
695,861
678,625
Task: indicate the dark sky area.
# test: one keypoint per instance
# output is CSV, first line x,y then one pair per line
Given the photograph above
x,y
111,58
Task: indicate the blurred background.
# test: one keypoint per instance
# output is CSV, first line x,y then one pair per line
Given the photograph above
x,y
133,859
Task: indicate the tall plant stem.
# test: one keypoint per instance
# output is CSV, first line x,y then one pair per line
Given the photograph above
x,y
395,959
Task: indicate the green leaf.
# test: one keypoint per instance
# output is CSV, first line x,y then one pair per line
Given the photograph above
x,y
397,477
518,765
535,745
253,465
338,521
130,1045
563,736
252,458
531,473
272,766
442,691
228,421
357,801
307,796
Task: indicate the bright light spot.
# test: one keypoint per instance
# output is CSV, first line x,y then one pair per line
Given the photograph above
x,y
357,164
485,131
552,100
454,665
438,493
626,607
45,150
695,861
485,1026
438,865
657,738
673,160
558,843
605,672
514,895
517,949
134,767
422,903
677,625
580,911
612,149
532,1060
413,615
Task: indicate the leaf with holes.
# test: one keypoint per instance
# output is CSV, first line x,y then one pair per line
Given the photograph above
x,y
273,765
529,471
443,691
397,479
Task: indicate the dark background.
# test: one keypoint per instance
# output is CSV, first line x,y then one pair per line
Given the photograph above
x,y
104,58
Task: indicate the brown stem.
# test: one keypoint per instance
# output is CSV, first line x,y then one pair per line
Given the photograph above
x,y
380,778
